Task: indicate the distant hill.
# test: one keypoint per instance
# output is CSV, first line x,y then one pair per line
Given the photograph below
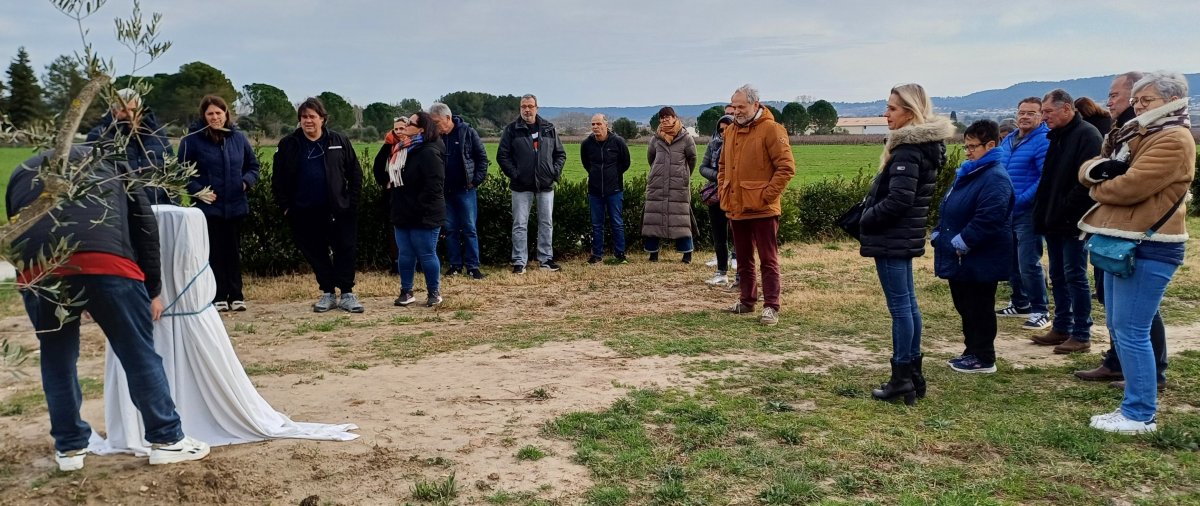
x,y
989,102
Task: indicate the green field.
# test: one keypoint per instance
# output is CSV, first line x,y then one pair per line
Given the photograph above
x,y
812,162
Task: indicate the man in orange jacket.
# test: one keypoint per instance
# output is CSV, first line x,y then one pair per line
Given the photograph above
x,y
755,168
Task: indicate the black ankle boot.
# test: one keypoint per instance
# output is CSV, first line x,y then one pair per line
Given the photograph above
x,y
900,386
654,256
918,377
687,257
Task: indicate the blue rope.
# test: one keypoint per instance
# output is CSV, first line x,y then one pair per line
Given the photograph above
x,y
185,290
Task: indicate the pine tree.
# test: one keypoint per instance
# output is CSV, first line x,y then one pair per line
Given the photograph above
x,y
25,96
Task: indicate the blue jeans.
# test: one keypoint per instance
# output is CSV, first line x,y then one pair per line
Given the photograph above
x,y
121,307
896,278
522,202
682,244
462,241
1028,281
1069,284
1130,305
614,205
413,245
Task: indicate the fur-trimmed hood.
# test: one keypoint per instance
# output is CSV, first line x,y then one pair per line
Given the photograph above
x,y
936,129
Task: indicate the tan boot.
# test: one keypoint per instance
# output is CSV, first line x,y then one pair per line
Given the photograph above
x,y
1072,346
1050,338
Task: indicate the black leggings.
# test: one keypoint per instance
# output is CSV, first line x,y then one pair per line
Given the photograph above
x,y
720,235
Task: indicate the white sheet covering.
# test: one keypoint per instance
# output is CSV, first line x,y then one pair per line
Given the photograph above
x,y
215,399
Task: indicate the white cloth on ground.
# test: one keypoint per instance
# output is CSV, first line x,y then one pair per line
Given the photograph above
x,y
214,397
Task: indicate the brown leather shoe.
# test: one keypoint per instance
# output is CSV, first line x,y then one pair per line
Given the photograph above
x,y
1120,385
1072,346
1099,374
1050,338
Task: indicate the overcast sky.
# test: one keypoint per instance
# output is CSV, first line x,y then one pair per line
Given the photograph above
x,y
632,53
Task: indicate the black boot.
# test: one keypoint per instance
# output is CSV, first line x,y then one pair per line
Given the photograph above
x,y
654,256
918,377
900,386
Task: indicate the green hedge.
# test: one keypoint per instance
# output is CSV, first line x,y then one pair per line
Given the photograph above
x,y
808,214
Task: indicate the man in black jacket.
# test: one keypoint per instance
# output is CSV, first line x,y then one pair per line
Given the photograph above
x,y
147,146
605,158
1059,204
114,274
466,169
316,181
532,157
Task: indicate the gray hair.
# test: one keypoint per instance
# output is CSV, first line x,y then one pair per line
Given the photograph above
x,y
603,117
1008,125
1168,84
530,96
439,109
1060,97
749,91
1130,78
129,96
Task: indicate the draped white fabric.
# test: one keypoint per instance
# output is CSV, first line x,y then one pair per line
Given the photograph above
x,y
215,399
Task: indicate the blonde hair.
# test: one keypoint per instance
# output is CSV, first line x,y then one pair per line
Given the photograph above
x,y
914,100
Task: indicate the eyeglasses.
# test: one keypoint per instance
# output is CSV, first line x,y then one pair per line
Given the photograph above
x,y
1145,101
1029,114
972,147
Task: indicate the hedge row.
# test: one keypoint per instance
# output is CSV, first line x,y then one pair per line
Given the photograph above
x,y
808,214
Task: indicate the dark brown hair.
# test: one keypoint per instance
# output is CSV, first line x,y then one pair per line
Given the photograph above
x,y
667,111
313,104
211,100
1089,108
424,121
1030,100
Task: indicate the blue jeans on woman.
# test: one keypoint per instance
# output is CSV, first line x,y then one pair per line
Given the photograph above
x,y
418,245
121,307
1130,305
896,278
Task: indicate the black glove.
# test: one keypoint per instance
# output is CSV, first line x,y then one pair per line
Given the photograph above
x,y
1107,170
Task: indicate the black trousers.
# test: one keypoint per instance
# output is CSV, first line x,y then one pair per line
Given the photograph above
x,y
329,241
225,256
720,235
975,303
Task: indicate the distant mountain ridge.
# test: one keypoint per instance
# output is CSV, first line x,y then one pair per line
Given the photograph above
x,y
978,103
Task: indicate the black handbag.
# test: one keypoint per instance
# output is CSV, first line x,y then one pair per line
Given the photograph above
x,y
1115,255
848,221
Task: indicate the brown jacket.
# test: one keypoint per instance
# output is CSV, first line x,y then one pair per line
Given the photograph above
x,y
755,168
1160,172
668,210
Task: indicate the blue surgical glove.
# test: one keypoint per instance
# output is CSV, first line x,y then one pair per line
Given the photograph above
x,y
959,245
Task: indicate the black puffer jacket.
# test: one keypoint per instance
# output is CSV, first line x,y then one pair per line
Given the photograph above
x,y
605,163
897,206
1061,201
531,165
420,203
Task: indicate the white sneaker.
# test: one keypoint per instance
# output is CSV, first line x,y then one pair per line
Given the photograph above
x,y
719,279
1037,321
769,317
711,263
70,461
182,451
1106,415
1116,422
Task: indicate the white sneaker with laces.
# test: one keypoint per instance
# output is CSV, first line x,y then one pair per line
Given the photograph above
x,y
769,316
1116,422
70,461
1037,321
182,451
1106,415
719,279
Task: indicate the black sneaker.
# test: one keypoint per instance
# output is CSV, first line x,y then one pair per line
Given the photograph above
x,y
594,259
434,299
454,271
549,265
620,260
476,274
518,269
687,258
405,298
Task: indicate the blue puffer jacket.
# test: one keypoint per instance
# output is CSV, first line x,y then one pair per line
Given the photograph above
x,y
1024,159
977,207
224,166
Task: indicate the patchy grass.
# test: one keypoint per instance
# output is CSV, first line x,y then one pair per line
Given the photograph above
x,y
439,491
531,453
33,400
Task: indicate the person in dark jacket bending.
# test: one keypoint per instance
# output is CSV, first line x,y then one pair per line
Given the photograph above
x,y
893,225
973,243
414,175
531,155
227,167
606,158
1060,201
317,182
466,169
148,146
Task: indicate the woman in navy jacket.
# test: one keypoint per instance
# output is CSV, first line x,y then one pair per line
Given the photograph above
x,y
972,244
227,168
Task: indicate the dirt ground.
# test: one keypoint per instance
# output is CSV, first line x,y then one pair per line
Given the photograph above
x,y
468,409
